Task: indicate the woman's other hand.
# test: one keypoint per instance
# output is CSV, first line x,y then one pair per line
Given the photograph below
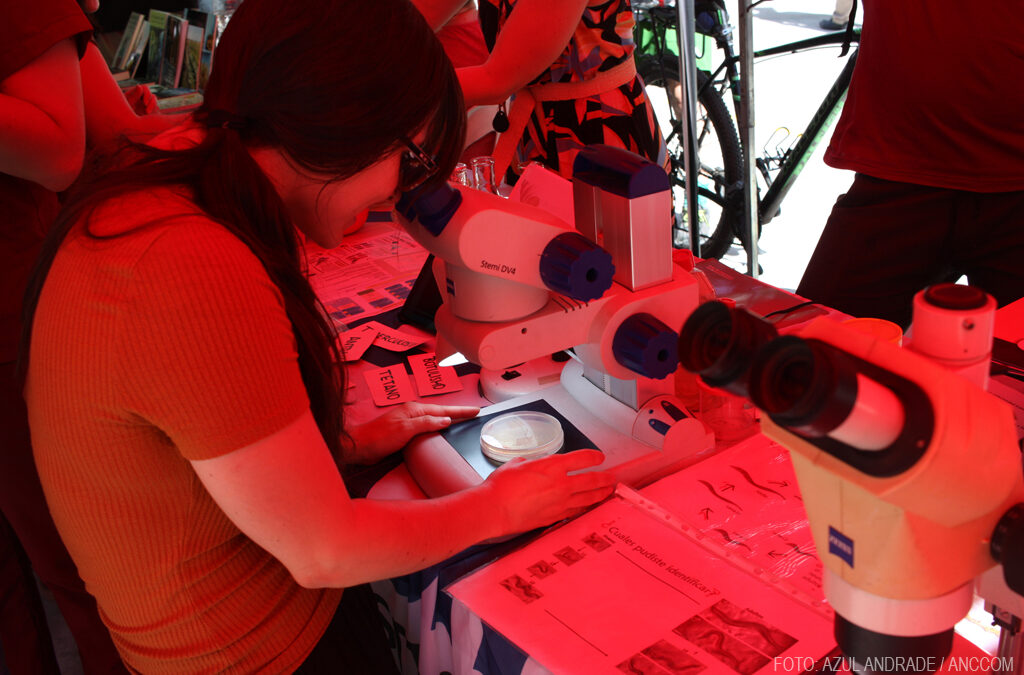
x,y
383,435
535,493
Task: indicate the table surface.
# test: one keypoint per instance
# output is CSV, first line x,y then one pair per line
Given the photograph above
x,y
433,634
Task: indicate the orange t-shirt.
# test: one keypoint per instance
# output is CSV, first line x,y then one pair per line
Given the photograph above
x,y
153,346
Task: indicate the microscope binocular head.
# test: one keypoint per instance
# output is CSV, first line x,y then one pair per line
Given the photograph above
x,y
905,467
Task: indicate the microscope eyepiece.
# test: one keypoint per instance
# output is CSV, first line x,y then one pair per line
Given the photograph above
x,y
801,385
955,296
718,342
816,390
432,208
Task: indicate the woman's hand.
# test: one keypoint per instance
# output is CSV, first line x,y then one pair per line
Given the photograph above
x,y
381,436
535,493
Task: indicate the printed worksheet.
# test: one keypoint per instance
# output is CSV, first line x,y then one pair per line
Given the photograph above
x,y
744,503
623,589
371,272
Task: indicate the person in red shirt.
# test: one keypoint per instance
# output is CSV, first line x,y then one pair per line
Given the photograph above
x,y
56,97
184,386
42,145
464,43
934,130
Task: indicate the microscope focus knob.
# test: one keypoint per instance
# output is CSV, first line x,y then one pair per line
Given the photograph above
x,y
574,266
646,346
1007,547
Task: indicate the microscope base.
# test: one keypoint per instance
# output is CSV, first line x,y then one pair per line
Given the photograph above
x,y
639,446
521,380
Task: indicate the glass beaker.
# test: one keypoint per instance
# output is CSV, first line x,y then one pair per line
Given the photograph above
x,y
483,174
461,175
732,418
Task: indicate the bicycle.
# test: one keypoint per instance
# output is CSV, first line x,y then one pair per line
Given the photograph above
x,y
720,177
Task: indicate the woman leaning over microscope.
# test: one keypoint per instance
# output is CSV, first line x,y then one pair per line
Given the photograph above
x,y
183,383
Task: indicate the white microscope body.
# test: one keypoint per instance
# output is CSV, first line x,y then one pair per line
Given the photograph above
x,y
519,284
907,468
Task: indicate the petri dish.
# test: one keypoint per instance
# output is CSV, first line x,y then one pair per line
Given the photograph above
x,y
521,434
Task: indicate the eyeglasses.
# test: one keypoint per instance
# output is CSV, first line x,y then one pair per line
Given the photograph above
x,y
416,167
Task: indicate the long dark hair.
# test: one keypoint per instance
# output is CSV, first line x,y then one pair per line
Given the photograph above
x,y
335,85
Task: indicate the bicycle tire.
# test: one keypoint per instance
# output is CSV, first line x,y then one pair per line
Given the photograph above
x,y
721,175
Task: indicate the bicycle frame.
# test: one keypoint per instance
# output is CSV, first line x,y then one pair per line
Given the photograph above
x,y
726,76
795,159
655,44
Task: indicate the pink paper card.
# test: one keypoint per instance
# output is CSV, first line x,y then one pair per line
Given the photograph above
x,y
431,378
390,386
395,340
355,342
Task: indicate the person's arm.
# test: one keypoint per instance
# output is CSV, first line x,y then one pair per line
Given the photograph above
x,y
42,127
375,439
108,115
285,493
536,32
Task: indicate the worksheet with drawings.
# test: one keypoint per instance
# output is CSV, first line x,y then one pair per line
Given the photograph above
x,y
627,586
371,272
744,503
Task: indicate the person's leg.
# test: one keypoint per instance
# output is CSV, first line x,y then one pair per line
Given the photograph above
x,y
24,634
24,505
990,242
841,14
883,242
356,641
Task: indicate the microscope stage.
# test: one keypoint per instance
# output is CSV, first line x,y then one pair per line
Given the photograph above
x,y
639,446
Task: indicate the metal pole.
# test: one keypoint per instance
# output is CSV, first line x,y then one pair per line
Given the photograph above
x,y
688,80
746,122
1010,651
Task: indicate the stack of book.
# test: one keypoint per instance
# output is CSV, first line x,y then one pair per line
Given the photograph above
x,y
125,61
176,50
181,48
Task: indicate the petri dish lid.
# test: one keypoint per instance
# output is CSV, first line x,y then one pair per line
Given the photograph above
x,y
521,434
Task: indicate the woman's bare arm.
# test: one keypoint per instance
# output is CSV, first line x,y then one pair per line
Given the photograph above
x,y
285,493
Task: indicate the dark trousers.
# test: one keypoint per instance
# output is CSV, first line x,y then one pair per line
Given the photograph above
x,y
885,241
24,634
355,642
23,505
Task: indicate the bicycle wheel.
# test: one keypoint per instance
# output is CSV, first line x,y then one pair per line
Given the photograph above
x,y
720,195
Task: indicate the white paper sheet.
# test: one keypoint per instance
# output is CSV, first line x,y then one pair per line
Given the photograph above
x,y
371,272
744,503
623,588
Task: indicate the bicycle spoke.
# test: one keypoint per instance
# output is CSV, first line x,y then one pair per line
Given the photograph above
x,y
719,167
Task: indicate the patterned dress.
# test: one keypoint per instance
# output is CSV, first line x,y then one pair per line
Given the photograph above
x,y
621,117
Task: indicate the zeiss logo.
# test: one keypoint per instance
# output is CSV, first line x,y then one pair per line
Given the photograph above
x,y
841,545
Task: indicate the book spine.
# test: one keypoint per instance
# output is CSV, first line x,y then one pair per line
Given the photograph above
x,y
180,102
